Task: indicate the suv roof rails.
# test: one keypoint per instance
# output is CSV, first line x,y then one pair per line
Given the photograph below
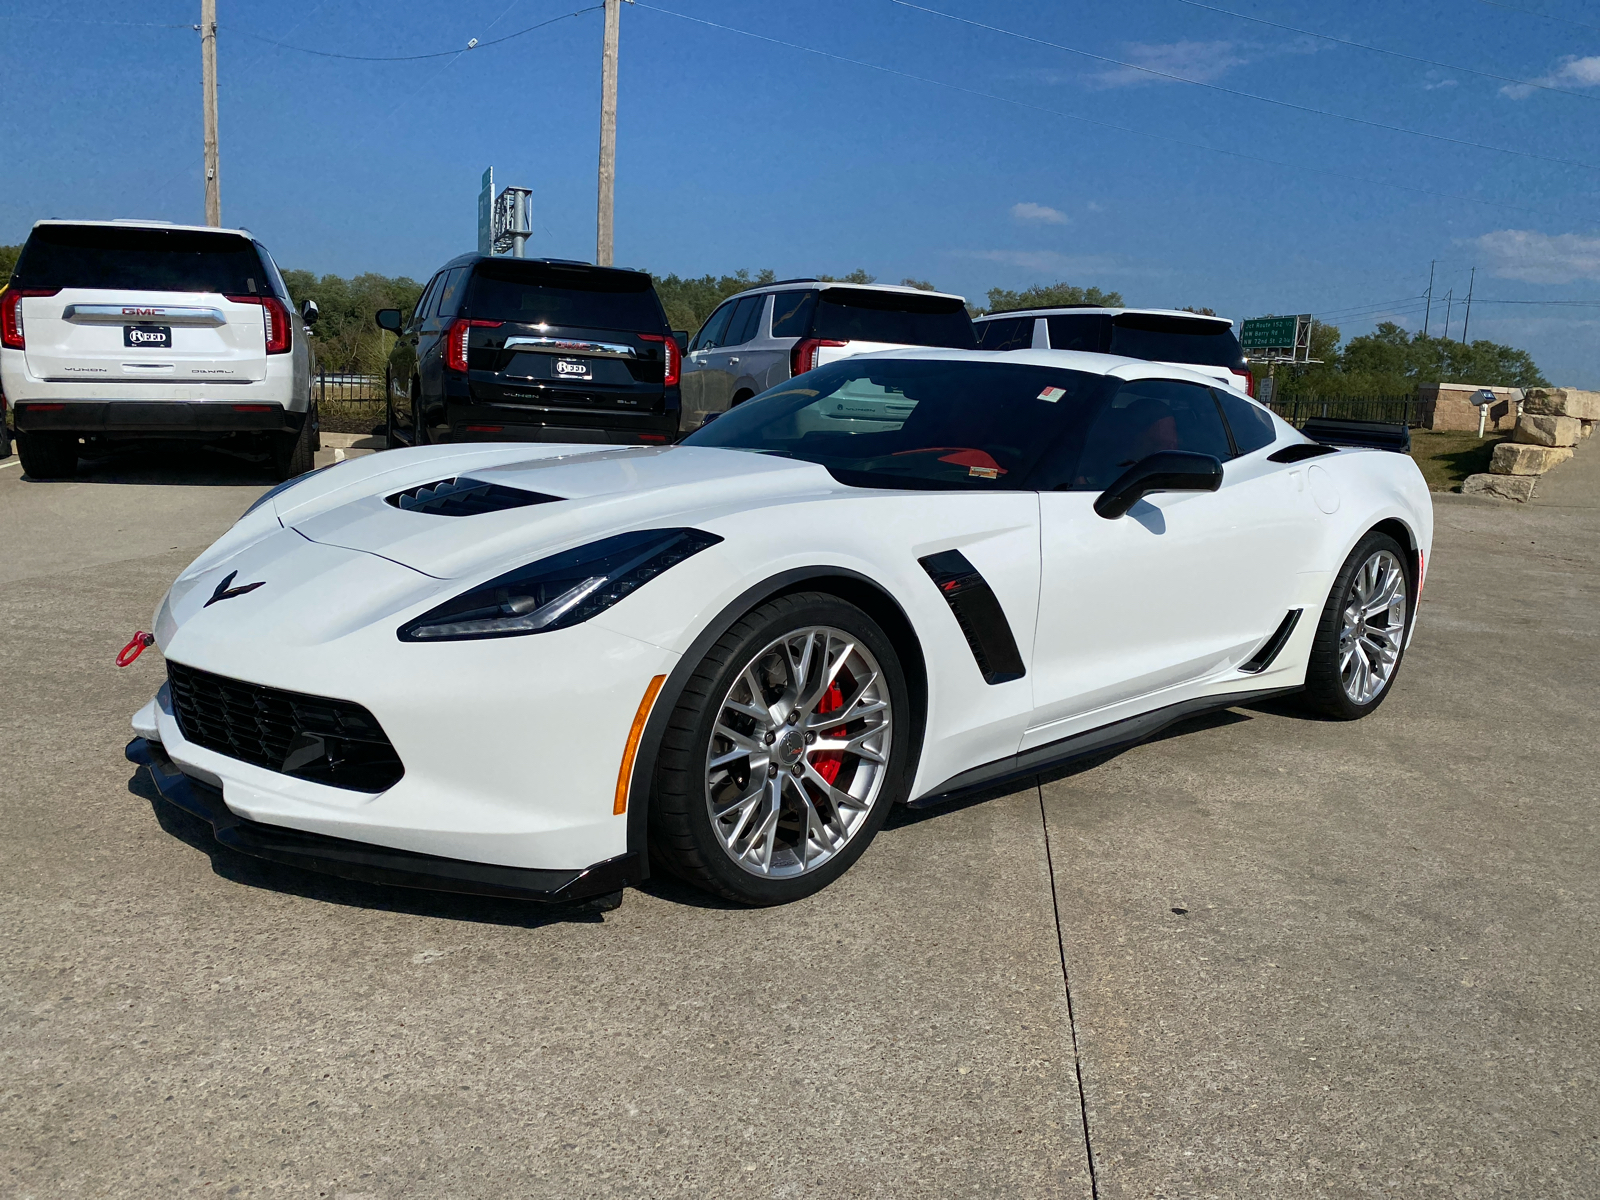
x,y
804,279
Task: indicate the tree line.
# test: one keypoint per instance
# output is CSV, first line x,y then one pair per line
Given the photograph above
x,y
1388,361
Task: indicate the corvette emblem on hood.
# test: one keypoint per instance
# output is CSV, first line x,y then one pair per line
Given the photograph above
x,y
224,592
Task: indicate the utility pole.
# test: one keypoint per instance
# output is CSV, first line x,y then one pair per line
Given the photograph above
x,y
1448,297
608,132
1429,311
1468,321
208,62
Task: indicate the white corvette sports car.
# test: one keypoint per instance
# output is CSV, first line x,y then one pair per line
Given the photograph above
x,y
544,671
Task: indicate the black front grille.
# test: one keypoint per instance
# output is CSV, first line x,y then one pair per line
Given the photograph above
x,y
327,741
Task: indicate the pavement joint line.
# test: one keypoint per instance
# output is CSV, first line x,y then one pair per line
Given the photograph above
x,y
16,462
1066,987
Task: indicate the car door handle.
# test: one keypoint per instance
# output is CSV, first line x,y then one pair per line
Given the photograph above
x,y
733,359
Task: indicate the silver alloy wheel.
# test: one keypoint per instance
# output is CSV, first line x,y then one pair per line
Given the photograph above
x,y
799,753
1374,624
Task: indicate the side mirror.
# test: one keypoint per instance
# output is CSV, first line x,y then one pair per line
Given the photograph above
x,y
708,418
1168,471
681,336
309,312
389,318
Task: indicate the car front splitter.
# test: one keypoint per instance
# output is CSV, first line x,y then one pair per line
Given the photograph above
x,y
374,864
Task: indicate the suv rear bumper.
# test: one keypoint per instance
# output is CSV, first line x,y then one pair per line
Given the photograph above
x,y
480,422
153,418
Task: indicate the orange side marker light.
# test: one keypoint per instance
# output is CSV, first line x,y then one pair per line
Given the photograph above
x,y
625,774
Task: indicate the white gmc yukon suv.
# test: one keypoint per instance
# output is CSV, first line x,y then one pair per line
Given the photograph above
x,y
113,330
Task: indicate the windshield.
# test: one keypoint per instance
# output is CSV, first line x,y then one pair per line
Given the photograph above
x,y
908,423
129,258
537,293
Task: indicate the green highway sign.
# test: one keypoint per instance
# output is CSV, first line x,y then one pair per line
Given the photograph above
x,y
1269,333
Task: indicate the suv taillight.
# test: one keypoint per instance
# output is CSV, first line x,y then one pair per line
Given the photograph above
x,y
1245,381
806,352
674,359
274,321
455,342
11,332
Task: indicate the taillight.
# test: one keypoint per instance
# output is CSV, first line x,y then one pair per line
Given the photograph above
x,y
455,342
806,352
674,358
1245,381
11,333
274,321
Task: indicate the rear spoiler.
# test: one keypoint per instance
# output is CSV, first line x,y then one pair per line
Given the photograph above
x,y
1370,435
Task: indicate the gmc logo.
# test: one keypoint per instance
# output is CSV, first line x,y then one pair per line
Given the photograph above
x,y
142,312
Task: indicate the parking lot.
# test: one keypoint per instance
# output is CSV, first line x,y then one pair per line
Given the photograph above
x,y
1263,955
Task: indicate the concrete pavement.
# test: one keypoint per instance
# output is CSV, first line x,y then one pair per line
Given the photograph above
x,y
1382,981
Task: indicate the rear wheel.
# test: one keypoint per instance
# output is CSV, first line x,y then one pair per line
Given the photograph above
x,y
292,453
48,455
785,753
1361,637
419,431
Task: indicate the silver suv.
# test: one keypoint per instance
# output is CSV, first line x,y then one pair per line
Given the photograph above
x,y
760,338
140,329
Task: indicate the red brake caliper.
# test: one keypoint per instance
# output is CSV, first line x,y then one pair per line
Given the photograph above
x,y
829,762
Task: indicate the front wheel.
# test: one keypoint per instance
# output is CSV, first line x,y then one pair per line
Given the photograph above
x,y
784,754
1361,637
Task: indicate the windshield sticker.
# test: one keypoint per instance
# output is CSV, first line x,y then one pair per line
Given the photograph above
x,y
1051,394
983,472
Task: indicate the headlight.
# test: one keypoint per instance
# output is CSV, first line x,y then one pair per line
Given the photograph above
x,y
559,591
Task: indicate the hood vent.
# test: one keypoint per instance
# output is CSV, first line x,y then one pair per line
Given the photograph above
x,y
465,498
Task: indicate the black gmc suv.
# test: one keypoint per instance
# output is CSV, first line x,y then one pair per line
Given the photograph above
x,y
533,349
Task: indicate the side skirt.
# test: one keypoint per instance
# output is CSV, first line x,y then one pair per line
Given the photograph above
x,y
369,863
1116,736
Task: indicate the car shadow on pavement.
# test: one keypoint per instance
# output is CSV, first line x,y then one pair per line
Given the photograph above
x,y
189,464
278,877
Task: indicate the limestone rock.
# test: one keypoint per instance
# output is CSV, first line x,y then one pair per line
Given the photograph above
x,y
1503,487
1562,402
1535,429
1515,458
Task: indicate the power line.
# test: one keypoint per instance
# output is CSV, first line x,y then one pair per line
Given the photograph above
x,y
474,45
1227,91
1553,303
1528,12
1056,112
1393,53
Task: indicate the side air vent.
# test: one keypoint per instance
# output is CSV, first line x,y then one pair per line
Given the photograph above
x,y
977,610
1262,658
1301,451
464,498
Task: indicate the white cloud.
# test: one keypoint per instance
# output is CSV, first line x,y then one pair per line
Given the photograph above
x,y
1200,62
1042,213
1434,87
1571,72
1541,257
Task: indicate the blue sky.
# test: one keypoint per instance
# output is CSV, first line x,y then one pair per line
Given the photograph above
x,y
738,152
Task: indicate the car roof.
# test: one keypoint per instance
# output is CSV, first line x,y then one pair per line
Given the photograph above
x,y
1101,310
462,260
1071,360
125,223
821,285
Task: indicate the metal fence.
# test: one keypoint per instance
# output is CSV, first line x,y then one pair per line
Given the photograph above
x,y
348,400
1396,410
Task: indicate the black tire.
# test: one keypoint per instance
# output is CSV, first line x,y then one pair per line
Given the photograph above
x,y
292,453
681,835
315,418
5,438
1325,691
48,455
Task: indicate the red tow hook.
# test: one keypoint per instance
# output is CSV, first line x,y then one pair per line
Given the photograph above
x,y
134,648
